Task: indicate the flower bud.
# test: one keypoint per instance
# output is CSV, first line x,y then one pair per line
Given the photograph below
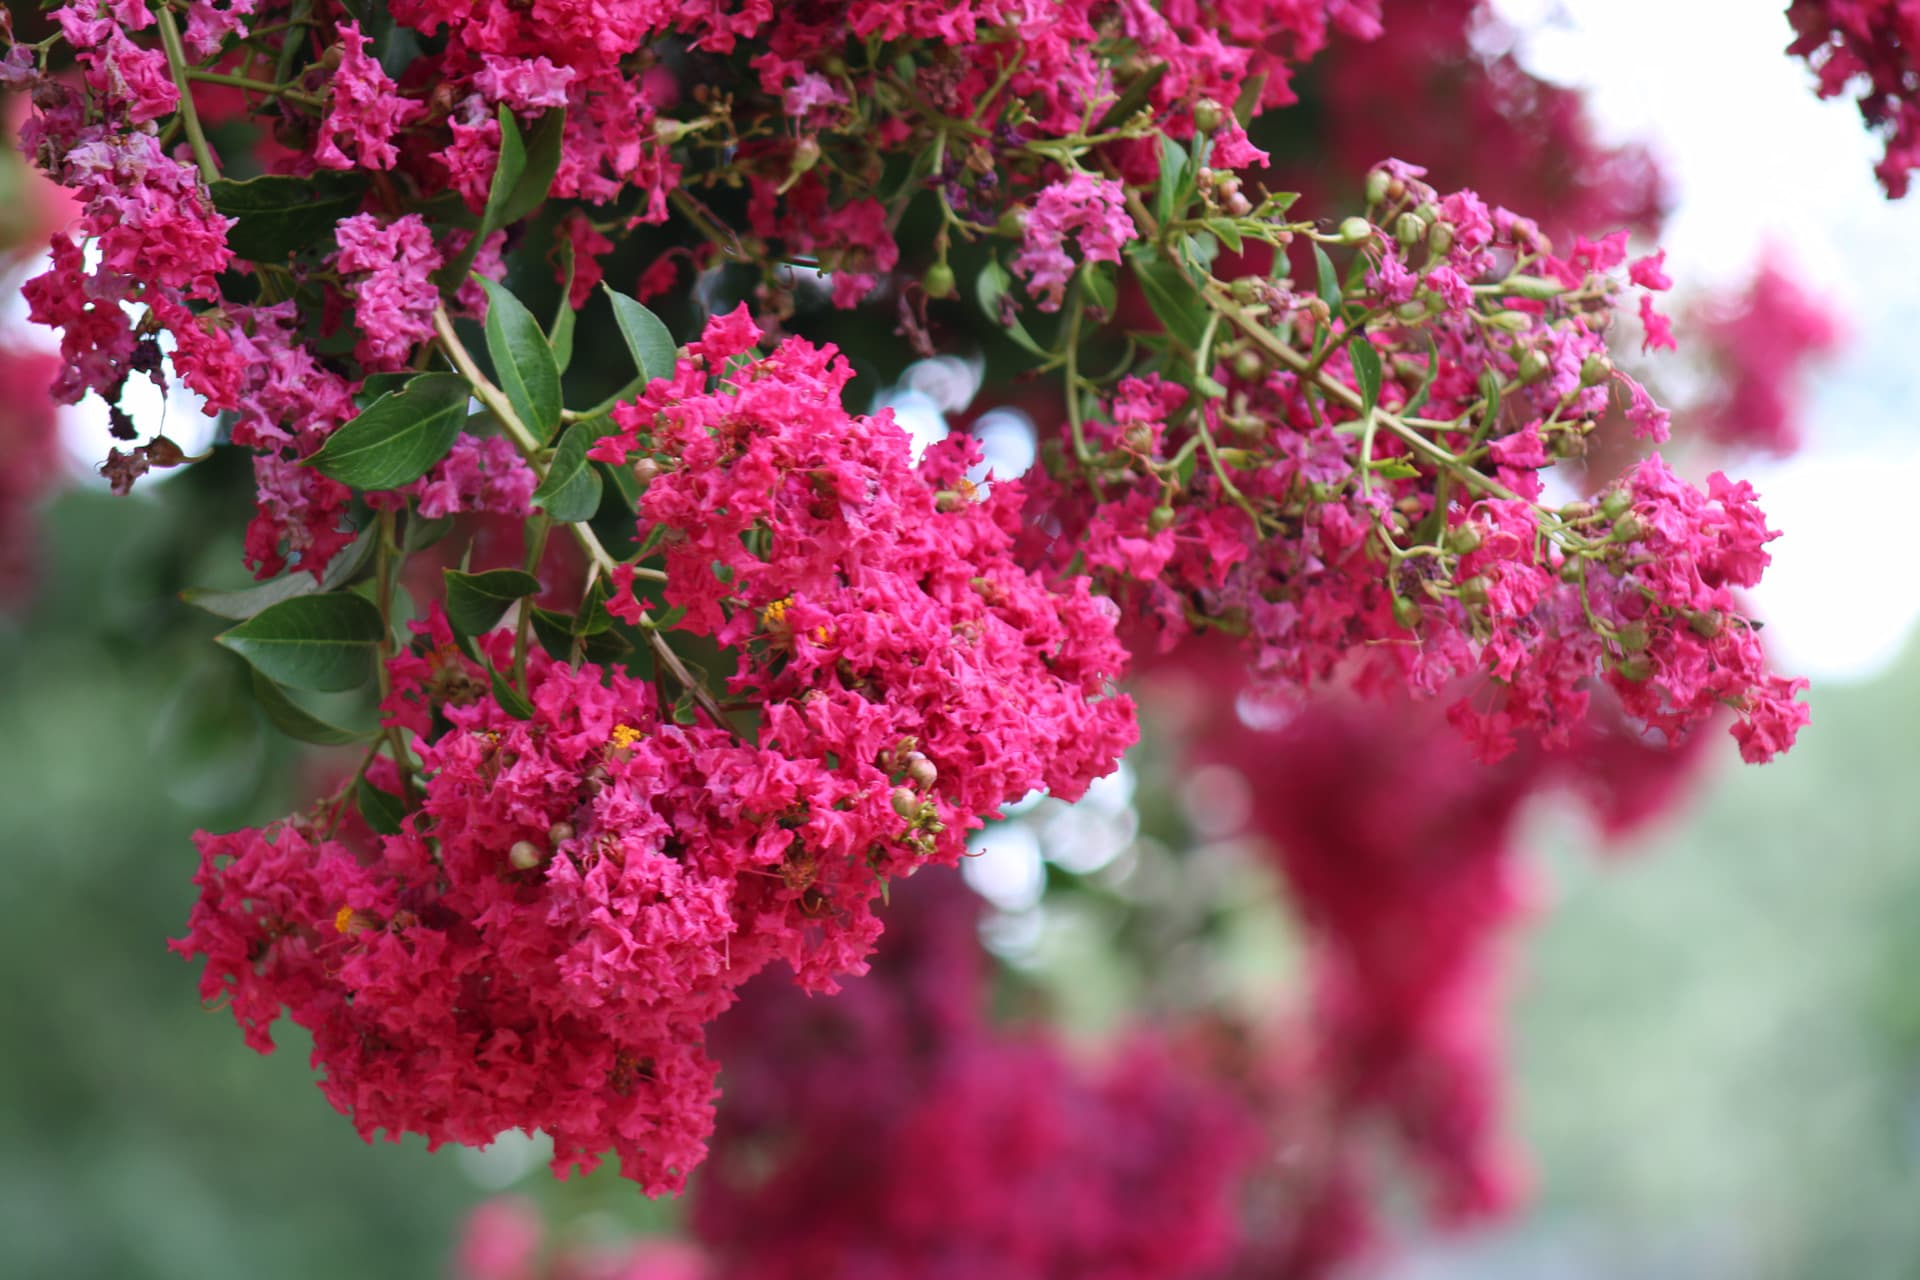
x,y
1409,230
905,803
1635,668
1629,528
1248,364
1160,519
1237,203
1615,504
1377,186
525,855
1595,369
1412,310
1356,231
1634,637
1012,223
560,833
1533,366
1406,612
1440,239
1706,623
806,154
646,471
1462,539
938,281
1208,115
1474,591
921,770
1511,321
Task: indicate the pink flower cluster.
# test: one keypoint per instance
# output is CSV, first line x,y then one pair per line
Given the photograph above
x,y
1865,48
894,1132
542,944
877,616
1334,562
1761,343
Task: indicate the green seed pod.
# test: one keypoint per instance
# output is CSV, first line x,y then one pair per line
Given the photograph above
x,y
938,281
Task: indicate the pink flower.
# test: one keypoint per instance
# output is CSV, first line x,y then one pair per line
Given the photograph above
x,y
1083,210
365,112
391,265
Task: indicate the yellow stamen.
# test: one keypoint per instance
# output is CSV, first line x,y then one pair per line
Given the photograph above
x,y
624,736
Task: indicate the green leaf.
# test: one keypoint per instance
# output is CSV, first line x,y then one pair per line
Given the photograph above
x,y
1228,232
1418,399
423,533
651,543
507,172
383,811
1397,468
648,339
990,289
375,385
554,631
522,360
1096,279
397,437
542,162
1329,279
1170,296
1366,372
511,700
1167,200
1133,99
571,491
280,215
240,605
476,601
560,332
321,642
296,721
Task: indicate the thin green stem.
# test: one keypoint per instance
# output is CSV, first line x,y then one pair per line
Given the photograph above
x,y
286,91
177,63
384,579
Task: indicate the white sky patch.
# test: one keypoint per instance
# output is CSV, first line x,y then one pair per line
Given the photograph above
x,y
1759,165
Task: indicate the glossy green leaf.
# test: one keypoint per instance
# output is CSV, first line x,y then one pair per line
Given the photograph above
x,y
991,288
571,491
522,360
507,172
560,332
554,631
1366,372
321,642
1167,201
511,700
346,565
1096,280
296,721
383,810
279,215
476,601
1171,298
648,339
1228,231
1329,279
541,162
399,436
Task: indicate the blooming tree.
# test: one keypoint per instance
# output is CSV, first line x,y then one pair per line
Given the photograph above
x,y
675,664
